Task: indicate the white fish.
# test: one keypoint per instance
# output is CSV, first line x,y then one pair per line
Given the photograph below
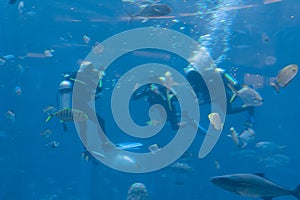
x,y
129,145
269,146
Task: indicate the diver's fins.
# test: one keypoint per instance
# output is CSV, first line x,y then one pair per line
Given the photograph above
x,y
49,117
234,93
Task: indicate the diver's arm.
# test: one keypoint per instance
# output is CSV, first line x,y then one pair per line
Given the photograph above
x,y
140,92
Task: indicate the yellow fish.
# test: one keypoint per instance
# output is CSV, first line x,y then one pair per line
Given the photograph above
x,y
285,76
215,120
69,114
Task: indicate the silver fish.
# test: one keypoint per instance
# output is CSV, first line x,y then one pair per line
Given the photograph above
x,y
269,146
249,96
285,76
253,185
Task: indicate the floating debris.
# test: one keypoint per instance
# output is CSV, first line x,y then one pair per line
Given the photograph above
x,y
52,144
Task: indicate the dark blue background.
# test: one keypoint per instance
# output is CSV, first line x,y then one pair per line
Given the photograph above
x,y
29,170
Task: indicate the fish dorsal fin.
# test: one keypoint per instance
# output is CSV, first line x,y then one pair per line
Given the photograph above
x,y
260,174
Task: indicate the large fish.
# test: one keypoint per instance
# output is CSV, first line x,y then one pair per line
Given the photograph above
x,y
285,76
153,10
253,185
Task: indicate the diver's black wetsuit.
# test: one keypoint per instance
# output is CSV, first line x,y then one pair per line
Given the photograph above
x,y
159,96
201,90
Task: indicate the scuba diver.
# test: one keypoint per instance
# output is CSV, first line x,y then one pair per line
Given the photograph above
x,y
85,78
232,89
159,94
64,96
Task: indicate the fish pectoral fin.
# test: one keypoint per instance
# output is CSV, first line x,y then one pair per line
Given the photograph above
x,y
232,98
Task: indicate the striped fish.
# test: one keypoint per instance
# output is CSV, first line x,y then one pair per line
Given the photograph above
x,y
69,114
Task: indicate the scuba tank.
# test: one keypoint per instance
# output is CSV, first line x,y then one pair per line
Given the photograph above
x,y
65,94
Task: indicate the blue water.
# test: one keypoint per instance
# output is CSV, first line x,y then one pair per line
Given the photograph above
x,y
242,37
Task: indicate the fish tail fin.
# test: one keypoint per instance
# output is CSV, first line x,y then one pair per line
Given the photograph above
x,y
49,117
296,192
234,93
275,86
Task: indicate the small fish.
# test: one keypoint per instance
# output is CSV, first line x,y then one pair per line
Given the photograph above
x,y
269,146
215,120
18,90
234,136
182,167
53,144
217,164
21,6
129,145
247,136
86,39
154,148
242,139
11,115
49,53
68,114
285,76
253,185
153,10
249,96
154,122
8,57
275,161
2,61
48,109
